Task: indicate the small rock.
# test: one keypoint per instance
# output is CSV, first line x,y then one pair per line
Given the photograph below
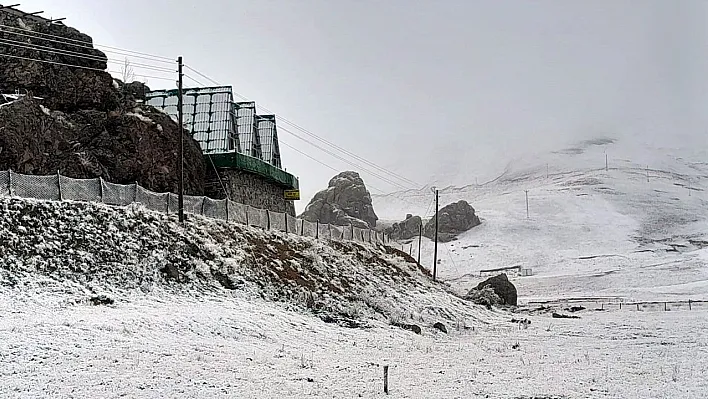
x,y
101,300
563,316
440,326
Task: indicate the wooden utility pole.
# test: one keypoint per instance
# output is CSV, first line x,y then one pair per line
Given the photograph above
x,y
607,165
435,254
420,236
180,169
527,203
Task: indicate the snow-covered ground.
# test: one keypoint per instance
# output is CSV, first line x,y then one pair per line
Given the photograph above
x,y
229,317
166,345
589,231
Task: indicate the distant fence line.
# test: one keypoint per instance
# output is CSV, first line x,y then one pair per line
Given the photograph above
x,y
609,304
59,188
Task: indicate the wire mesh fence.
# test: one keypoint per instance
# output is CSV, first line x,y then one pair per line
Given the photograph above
x,y
58,188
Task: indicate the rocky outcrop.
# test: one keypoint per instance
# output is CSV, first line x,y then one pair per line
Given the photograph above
x,y
72,117
453,219
122,147
405,229
501,286
85,86
346,201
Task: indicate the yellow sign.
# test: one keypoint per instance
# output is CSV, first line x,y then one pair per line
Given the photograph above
x,y
292,195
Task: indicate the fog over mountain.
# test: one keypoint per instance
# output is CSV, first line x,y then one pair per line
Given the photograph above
x,y
440,92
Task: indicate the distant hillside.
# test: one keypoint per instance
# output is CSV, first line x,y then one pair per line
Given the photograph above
x,y
590,231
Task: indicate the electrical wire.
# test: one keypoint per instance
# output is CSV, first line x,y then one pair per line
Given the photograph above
x,y
74,54
78,43
336,147
78,66
195,80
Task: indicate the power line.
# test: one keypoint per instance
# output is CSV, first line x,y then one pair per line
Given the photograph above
x,y
336,147
78,43
81,56
77,66
195,80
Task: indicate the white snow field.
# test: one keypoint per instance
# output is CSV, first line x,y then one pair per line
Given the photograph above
x,y
590,232
216,310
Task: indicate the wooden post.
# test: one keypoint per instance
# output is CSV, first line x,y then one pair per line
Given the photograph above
x,y
227,209
61,197
268,219
665,307
637,307
317,232
302,227
352,232
689,304
386,380
247,216
286,221
100,192
420,236
620,305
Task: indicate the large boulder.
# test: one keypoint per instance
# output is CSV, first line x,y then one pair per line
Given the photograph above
x,y
85,85
501,286
453,219
405,229
140,145
346,201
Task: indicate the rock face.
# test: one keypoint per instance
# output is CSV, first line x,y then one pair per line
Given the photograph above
x,y
76,121
405,229
346,201
454,219
63,88
501,285
122,147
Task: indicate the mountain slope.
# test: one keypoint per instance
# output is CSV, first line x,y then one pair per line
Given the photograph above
x,y
590,231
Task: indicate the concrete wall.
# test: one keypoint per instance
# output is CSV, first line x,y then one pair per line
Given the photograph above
x,y
249,189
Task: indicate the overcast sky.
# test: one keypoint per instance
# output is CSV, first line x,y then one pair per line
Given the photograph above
x,y
438,91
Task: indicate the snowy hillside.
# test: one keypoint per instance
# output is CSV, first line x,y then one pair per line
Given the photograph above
x,y
590,231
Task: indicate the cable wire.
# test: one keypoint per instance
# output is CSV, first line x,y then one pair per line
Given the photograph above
x,y
307,132
78,43
78,66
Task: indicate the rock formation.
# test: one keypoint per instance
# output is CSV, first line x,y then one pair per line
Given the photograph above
x,y
502,287
405,229
453,220
77,120
346,201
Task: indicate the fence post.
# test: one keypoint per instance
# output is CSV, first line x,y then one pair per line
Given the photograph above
x,y
385,379
637,307
9,182
100,193
135,193
329,227
202,210
352,231
61,197
227,210
689,304
302,227
168,203
620,305
286,221
362,236
268,219
317,232
664,306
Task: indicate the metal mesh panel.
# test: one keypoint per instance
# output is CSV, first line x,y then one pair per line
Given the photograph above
x,y
5,183
277,221
209,115
215,208
192,204
294,224
309,229
357,234
80,189
151,200
247,129
348,234
268,136
117,194
237,212
29,186
337,232
257,217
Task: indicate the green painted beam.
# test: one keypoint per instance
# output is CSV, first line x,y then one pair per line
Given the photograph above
x,y
256,166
